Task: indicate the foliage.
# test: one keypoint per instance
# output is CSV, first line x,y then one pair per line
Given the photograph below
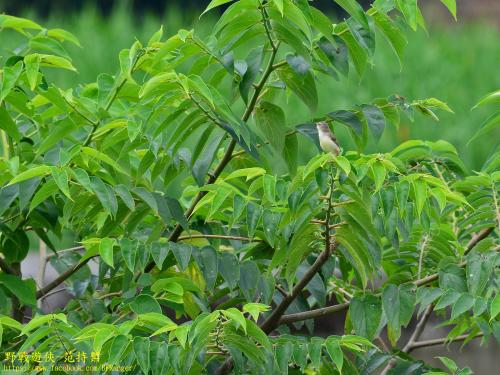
x,y
179,178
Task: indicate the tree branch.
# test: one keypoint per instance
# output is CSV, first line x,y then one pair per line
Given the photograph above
x,y
5,267
218,236
441,341
292,318
61,278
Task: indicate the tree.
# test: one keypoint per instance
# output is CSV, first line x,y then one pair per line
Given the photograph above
x,y
215,243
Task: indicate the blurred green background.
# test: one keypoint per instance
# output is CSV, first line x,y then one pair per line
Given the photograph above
x,y
457,62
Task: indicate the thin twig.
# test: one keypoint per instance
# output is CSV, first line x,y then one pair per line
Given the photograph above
x,y
218,236
62,278
441,341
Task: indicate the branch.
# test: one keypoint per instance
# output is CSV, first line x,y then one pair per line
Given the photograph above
x,y
442,341
217,236
292,318
273,320
61,278
419,329
5,267
313,314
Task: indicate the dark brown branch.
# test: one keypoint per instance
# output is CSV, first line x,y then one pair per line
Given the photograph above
x,y
61,278
6,268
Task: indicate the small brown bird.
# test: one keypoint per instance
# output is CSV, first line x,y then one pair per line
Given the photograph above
x,y
327,139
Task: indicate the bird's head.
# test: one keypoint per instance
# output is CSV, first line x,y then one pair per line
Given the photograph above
x,y
323,127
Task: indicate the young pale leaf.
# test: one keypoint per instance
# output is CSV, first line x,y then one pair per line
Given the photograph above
x,y
214,4
39,171
236,316
254,309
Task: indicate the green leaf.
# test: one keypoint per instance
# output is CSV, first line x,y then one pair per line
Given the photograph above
x,y
159,252
52,61
144,304
420,191
492,98
38,171
207,260
452,7
463,304
355,10
60,176
495,307
182,254
103,157
392,33
335,352
124,193
270,120
7,124
129,252
215,3
348,118
391,305
106,250
22,289
279,4
229,268
117,349
141,347
105,195
365,313
409,8
236,316
254,309
375,119
63,35
10,76
479,269
491,123
302,86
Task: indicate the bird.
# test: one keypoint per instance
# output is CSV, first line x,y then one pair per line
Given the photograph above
x,y
327,139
